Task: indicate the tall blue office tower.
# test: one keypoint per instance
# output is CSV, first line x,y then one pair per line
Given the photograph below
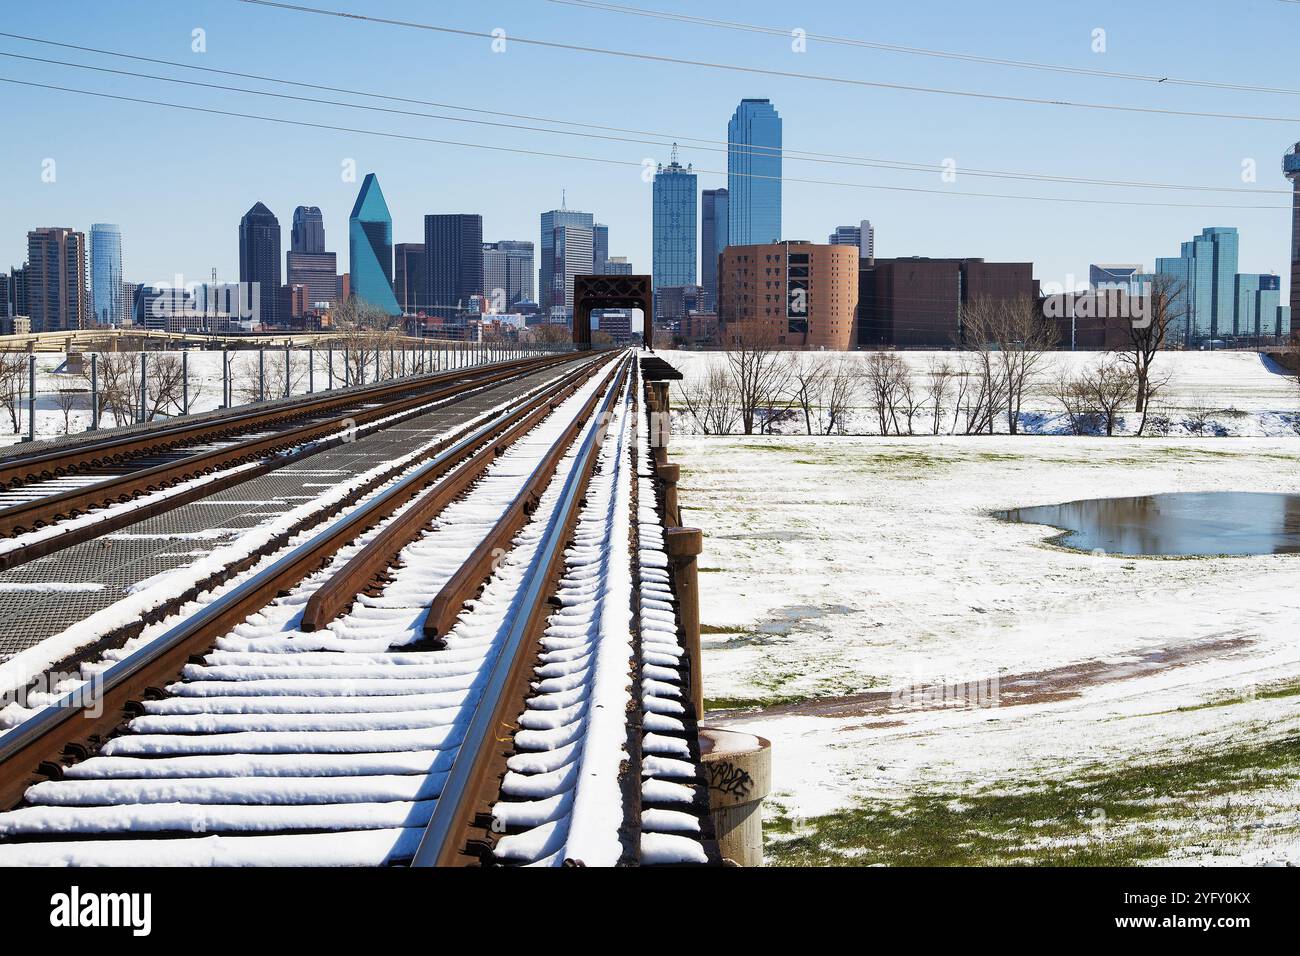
x,y
713,239
370,248
106,288
754,174
673,227
1206,273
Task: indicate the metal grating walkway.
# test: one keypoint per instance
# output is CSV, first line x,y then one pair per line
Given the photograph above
x,y
48,595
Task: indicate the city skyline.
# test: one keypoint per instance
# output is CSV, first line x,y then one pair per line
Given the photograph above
x,y
214,185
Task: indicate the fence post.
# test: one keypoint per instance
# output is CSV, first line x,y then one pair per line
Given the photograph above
x,y
185,382
144,383
261,375
288,369
31,396
311,370
94,391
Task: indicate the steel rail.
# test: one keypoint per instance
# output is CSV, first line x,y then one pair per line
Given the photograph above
x,y
36,748
54,462
337,594
47,509
465,801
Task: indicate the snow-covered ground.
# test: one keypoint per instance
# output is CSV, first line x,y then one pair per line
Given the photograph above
x,y
847,581
1241,394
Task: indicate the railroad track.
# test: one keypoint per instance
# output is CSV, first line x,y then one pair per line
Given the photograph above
x,y
458,664
45,488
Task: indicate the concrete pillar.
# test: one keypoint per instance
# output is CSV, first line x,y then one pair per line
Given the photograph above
x,y
739,771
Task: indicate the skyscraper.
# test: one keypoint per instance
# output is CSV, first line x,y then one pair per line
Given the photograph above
x,y
1291,169
863,235
106,293
453,263
673,227
1206,273
555,286
409,276
571,247
507,273
713,239
754,174
1257,300
56,279
370,248
259,262
599,248
308,233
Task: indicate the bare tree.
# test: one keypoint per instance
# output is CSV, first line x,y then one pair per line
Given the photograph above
x,y
759,373
366,334
841,391
810,375
1011,339
939,384
1109,388
1148,335
711,402
884,374
1074,400
13,385
66,400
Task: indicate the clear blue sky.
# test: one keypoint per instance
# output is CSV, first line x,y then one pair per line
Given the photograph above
x,y
178,182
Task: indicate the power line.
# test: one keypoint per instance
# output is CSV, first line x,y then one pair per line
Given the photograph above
x,y
788,74
663,139
920,51
620,162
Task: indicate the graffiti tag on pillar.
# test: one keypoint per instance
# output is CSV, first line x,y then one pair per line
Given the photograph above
x,y
730,779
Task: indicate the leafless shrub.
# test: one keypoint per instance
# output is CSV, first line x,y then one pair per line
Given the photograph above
x,y
1101,393
711,402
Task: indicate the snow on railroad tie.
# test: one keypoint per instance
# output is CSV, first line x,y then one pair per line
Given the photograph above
x,y
564,793
330,734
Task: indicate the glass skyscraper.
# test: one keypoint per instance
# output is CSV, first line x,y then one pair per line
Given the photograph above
x,y
106,289
555,286
1207,275
1258,299
453,263
754,174
599,248
673,228
308,233
370,248
259,262
713,239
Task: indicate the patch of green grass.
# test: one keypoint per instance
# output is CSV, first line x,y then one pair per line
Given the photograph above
x,y
1273,692
720,629
747,703
1113,817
